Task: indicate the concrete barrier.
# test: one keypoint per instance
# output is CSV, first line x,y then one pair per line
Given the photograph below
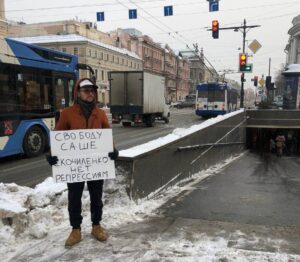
x,y
183,157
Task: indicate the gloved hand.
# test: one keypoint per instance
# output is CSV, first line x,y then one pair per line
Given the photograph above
x,y
114,155
52,160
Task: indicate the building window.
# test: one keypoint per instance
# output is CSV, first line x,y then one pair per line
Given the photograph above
x,y
106,57
102,75
101,56
90,52
122,63
117,60
96,53
96,74
76,51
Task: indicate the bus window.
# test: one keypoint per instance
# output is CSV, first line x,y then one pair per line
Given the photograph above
x,y
8,94
60,97
219,95
33,94
202,94
216,95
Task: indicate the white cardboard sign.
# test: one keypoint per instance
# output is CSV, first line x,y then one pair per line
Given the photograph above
x,y
82,155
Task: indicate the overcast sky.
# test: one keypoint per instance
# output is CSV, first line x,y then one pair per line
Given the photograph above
x,y
187,26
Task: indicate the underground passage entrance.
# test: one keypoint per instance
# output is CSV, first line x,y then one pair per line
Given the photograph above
x,y
280,141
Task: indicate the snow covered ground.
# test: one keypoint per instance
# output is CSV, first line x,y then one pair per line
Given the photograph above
x,y
34,226
40,226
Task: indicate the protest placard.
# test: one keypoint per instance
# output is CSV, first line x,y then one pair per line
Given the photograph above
x,y
82,155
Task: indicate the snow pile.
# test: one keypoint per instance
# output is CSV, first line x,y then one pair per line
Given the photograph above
x,y
26,210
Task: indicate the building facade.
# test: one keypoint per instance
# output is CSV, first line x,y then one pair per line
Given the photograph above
x,y
183,78
101,57
3,28
199,71
2,10
150,52
293,47
170,73
3,22
86,29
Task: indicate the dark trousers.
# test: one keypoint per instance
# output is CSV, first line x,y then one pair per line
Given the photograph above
x,y
74,206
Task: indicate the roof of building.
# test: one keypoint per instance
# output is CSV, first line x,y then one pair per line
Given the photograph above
x,y
72,38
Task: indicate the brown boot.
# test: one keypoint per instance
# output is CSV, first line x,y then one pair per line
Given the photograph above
x,y
74,238
99,233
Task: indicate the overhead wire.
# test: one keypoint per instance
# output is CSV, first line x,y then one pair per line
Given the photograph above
x,y
179,39
178,33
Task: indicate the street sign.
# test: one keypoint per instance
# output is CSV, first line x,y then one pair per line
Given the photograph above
x,y
247,68
168,10
262,82
132,14
255,46
213,5
100,16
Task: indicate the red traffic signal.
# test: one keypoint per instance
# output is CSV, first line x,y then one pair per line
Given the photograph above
x,y
215,29
243,61
255,80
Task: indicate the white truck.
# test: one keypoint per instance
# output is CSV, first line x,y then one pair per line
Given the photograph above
x,y
137,97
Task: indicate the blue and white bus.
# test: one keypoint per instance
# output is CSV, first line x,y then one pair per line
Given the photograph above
x,y
213,99
35,84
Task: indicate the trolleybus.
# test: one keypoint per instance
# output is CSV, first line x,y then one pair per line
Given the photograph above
x,y
35,84
214,99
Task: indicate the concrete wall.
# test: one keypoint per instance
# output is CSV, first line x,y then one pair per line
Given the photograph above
x,y
273,119
177,160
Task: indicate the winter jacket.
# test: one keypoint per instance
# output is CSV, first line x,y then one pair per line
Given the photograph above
x,y
73,118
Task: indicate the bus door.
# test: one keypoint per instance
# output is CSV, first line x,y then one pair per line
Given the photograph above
x,y
63,91
211,99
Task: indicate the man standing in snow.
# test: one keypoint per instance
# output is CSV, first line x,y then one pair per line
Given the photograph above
x,y
84,115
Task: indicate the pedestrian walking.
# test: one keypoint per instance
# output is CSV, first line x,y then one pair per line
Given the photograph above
x,y
84,114
272,146
280,144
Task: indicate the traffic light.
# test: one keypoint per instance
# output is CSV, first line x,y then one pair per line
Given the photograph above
x,y
242,77
268,82
215,29
243,62
255,80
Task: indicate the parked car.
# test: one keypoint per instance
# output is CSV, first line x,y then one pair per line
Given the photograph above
x,y
189,101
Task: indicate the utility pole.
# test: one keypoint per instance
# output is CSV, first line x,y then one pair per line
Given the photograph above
x,y
244,31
